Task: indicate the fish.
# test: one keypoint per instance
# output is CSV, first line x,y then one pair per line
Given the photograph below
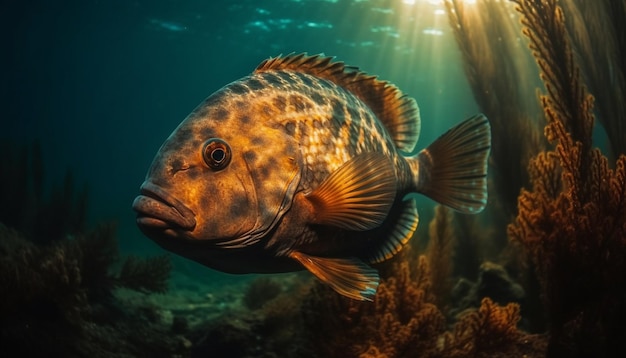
x,y
306,164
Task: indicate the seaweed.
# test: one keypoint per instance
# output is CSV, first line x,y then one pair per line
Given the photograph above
x,y
596,30
146,275
497,70
572,222
59,297
439,253
58,277
26,207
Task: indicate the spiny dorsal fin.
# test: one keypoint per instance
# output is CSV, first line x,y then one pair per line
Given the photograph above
x,y
349,277
397,111
358,195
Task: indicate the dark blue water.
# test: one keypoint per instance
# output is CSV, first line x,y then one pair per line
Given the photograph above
x,y
103,83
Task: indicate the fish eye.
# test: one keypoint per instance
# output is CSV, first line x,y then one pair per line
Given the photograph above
x,y
216,153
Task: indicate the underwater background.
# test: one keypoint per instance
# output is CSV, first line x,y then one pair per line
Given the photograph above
x,y
90,89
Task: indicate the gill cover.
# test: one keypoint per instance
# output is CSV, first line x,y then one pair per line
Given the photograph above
x,y
273,162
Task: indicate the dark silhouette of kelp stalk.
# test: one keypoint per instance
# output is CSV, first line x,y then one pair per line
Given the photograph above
x,y
27,207
598,33
572,222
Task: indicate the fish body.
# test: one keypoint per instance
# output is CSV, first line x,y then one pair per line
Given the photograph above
x,y
306,163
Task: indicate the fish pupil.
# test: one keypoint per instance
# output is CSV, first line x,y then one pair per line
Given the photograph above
x,y
218,155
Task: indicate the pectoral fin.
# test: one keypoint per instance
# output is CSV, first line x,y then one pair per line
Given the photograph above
x,y
349,277
358,195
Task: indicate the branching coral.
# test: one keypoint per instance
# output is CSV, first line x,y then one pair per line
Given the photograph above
x,y
401,322
490,331
573,221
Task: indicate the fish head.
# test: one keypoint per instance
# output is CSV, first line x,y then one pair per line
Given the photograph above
x,y
223,177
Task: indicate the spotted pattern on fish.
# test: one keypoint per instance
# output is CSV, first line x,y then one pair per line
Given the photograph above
x,y
330,124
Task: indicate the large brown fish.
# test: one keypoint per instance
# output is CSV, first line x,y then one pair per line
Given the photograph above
x,y
305,164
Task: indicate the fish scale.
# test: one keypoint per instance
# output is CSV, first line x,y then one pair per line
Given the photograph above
x,y
339,127
303,164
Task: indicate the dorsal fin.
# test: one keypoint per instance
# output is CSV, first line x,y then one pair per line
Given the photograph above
x,y
398,112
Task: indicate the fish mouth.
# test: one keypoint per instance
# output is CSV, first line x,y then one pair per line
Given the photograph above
x,y
158,210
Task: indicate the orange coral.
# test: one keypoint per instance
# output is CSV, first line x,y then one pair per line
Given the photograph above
x,y
402,321
489,330
573,221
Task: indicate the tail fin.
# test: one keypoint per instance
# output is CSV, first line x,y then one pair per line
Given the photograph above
x,y
453,169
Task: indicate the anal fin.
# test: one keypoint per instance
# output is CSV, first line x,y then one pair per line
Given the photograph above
x,y
349,277
358,195
401,229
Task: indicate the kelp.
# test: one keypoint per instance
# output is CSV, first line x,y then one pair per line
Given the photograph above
x,y
59,278
497,69
597,32
572,222
27,206
439,252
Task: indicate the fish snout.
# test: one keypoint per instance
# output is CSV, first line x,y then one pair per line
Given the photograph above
x,y
158,209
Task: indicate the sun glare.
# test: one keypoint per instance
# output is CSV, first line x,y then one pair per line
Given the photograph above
x,y
437,2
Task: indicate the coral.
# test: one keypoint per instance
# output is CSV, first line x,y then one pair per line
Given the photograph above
x,y
57,277
57,298
572,223
489,331
402,321
260,291
36,280
145,275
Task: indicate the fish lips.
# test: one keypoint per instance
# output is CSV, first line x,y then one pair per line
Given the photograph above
x,y
158,210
